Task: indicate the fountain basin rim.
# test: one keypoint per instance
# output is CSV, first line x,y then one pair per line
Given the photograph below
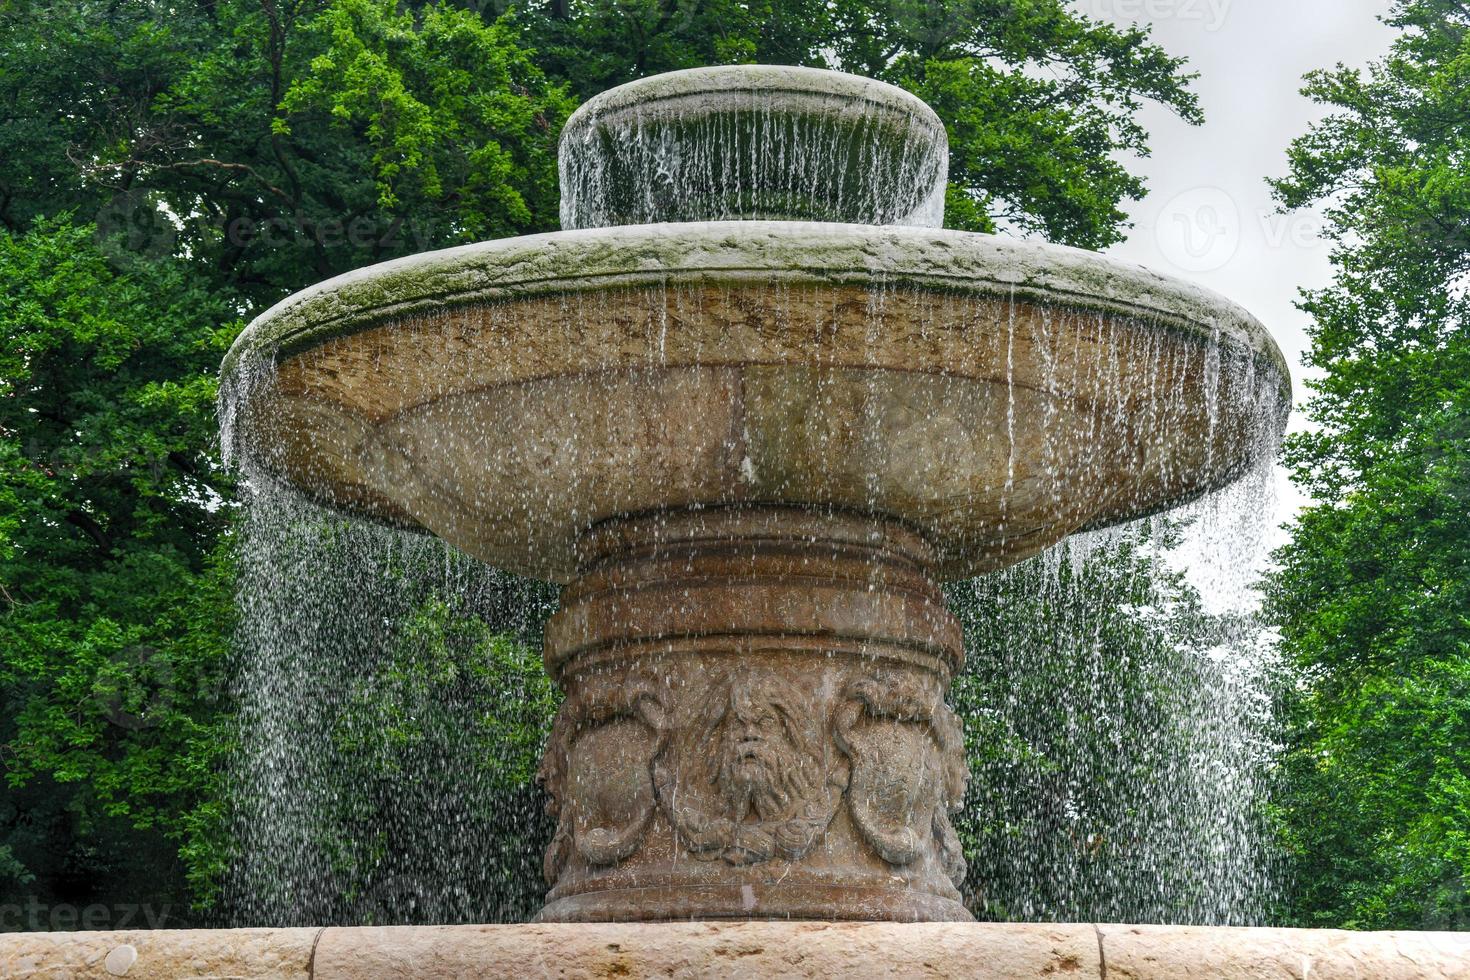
x,y
765,80
794,253
579,309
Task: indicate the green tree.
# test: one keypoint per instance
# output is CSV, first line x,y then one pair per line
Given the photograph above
x,y
1118,741
451,722
231,152
276,144
1372,596
391,716
113,599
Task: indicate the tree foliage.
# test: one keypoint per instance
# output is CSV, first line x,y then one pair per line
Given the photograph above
x,y
114,603
1373,594
384,772
1119,741
283,142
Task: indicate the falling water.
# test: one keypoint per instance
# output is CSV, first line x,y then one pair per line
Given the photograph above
x,y
1120,738
391,711
779,156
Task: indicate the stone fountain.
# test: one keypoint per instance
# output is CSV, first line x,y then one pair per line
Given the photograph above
x,y
750,407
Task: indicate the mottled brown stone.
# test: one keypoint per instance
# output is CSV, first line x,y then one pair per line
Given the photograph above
x,y
1156,952
755,723
854,950
161,954
693,951
994,395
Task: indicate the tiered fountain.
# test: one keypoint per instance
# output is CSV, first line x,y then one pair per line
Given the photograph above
x,y
750,407
750,441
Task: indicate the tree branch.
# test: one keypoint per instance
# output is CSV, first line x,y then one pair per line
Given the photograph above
x,y
91,528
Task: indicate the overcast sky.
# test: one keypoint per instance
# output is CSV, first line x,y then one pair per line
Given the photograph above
x,y
1209,215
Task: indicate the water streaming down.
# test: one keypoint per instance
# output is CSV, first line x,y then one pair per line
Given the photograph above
x,y
753,142
775,432
382,776
1124,742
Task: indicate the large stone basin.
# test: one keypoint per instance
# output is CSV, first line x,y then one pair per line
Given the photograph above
x,y
994,395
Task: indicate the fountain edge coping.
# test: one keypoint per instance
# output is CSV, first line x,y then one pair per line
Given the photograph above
x,y
793,253
764,80
754,949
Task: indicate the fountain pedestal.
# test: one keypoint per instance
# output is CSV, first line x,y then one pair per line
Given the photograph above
x,y
755,723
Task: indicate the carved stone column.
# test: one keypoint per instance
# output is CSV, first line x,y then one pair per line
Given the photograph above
x,y
755,723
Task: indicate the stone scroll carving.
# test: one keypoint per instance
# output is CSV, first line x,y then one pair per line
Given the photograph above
x,y
751,766
908,768
749,777
598,769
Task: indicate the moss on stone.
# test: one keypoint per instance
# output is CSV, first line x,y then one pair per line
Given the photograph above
x,y
732,252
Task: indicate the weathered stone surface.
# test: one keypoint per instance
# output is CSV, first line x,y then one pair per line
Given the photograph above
x,y
755,723
700,950
905,372
751,949
162,954
751,447
1158,952
796,254
753,141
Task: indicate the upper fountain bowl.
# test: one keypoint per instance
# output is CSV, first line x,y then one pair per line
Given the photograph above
x,y
753,142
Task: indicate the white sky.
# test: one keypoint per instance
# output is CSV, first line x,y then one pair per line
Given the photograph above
x,y
1209,214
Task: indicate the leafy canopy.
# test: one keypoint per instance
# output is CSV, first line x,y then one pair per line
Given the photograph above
x,y
114,608
1373,593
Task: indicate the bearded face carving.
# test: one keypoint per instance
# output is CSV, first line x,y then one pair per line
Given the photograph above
x,y
752,766
750,784
766,765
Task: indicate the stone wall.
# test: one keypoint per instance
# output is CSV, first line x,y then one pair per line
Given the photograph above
x,y
745,949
